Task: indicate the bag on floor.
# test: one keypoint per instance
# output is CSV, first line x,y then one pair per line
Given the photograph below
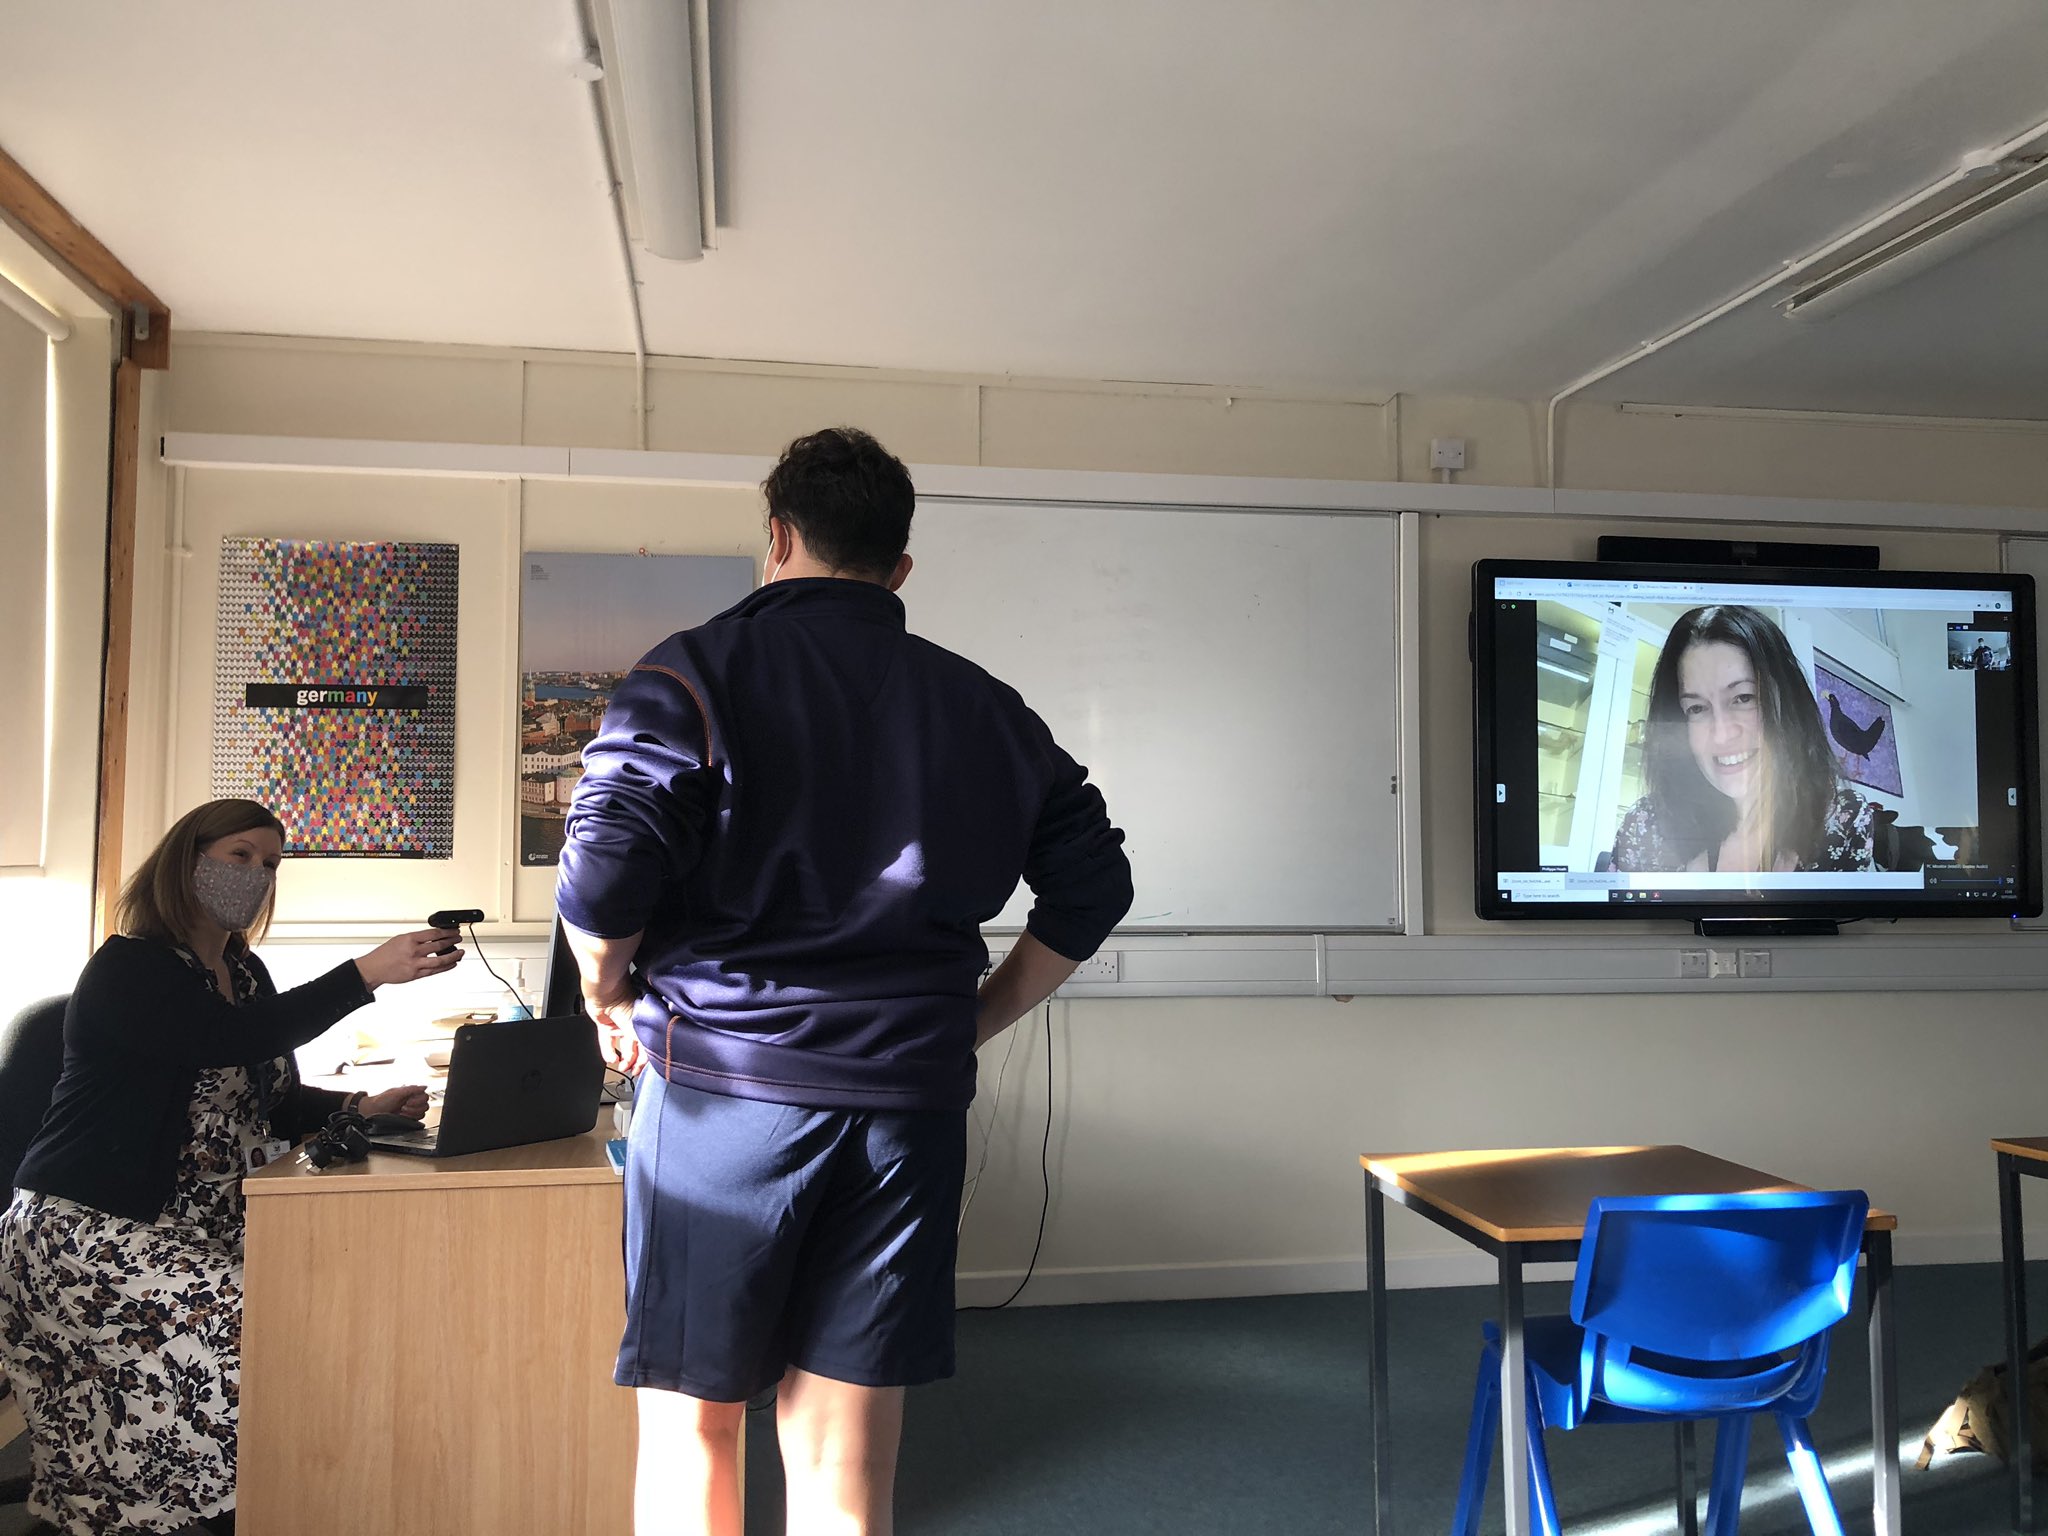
x,y
1976,1420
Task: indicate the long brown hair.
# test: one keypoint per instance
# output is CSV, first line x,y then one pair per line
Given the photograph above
x,y
1801,776
158,901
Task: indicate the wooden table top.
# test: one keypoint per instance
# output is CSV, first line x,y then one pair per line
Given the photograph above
x,y
572,1160
1540,1194
2033,1148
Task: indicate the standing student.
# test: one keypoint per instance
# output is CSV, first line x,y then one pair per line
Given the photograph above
x,y
794,823
121,1254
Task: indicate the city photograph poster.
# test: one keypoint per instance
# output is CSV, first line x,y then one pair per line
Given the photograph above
x,y
583,621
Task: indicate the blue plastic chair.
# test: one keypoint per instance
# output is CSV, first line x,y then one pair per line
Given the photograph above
x,y
1686,1307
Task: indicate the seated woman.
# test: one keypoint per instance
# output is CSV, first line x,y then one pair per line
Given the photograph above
x,y
1740,772
121,1254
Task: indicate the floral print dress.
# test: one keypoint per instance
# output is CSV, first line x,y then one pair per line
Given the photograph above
x,y
123,1338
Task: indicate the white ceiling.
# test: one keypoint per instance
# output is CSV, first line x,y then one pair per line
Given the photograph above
x,y
1334,195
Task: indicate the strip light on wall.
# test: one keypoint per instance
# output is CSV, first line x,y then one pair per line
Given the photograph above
x,y
33,310
2019,193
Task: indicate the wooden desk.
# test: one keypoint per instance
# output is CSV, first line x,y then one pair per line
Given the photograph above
x,y
1528,1206
2019,1157
427,1347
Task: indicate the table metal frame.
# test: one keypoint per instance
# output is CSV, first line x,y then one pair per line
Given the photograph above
x,y
1512,1257
2012,1242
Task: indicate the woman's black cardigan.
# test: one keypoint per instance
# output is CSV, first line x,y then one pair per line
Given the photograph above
x,y
141,1026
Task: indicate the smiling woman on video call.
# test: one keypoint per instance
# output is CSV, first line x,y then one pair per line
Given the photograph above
x,y
121,1254
1740,772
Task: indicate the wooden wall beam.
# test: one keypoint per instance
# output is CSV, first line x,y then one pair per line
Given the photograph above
x,y
145,320
120,638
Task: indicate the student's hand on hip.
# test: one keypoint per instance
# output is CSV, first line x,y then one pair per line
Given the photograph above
x,y
615,1035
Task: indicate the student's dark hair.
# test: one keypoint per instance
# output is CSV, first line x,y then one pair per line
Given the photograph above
x,y
159,902
848,497
1799,766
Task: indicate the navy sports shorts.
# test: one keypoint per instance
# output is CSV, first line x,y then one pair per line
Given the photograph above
x,y
761,1236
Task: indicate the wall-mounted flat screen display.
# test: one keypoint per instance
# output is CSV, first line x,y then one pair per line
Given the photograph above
x,y
1708,742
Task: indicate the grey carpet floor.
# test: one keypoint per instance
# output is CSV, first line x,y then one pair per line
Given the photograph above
x,y
1249,1416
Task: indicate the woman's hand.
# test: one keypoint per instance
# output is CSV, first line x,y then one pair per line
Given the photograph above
x,y
407,958
410,1101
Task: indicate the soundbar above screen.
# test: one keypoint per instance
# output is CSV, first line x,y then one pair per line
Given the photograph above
x,y
1707,742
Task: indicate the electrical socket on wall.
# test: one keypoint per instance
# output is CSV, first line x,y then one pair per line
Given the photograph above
x,y
1694,965
1105,965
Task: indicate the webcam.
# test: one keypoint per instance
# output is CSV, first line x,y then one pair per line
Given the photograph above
x,y
454,918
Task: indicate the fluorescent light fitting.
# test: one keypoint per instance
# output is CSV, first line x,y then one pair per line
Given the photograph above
x,y
33,310
2005,204
653,65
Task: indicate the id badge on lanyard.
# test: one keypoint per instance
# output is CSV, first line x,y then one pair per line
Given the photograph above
x,y
263,1153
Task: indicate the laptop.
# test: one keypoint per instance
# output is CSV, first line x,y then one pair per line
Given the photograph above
x,y
509,1083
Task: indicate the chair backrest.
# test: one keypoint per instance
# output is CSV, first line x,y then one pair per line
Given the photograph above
x,y
31,1059
1719,1277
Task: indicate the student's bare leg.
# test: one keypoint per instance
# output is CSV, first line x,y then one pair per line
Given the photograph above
x,y
839,1446
687,1482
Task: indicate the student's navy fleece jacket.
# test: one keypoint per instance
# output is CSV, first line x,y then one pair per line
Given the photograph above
x,y
810,813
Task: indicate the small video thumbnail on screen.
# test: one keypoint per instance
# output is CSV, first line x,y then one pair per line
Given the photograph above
x,y
1978,650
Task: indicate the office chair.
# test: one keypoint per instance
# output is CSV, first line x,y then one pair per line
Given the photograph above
x,y
31,1057
1687,1307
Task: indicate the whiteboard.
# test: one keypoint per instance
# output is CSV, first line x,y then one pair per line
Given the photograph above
x,y
1230,680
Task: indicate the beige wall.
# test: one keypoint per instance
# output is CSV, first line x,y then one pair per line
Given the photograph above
x,y
1205,1145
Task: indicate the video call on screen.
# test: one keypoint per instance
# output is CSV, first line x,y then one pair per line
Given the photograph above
x,y
1685,741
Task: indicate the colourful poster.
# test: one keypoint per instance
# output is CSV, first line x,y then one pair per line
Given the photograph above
x,y
583,621
334,692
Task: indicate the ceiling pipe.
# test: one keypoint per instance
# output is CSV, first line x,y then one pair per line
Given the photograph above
x,y
1971,169
590,70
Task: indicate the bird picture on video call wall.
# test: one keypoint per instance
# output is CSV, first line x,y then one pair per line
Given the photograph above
x,y
1860,729
334,692
583,621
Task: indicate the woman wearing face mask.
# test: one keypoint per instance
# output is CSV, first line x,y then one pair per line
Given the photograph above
x,y
1741,776
121,1254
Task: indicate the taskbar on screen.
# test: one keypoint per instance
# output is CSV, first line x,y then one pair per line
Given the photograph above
x,y
1544,888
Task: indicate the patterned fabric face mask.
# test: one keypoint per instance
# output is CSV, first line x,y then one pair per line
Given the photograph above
x,y
231,894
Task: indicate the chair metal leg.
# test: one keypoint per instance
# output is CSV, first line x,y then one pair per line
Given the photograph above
x,y
1479,1444
1731,1463
1807,1474
1688,1478
1542,1494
